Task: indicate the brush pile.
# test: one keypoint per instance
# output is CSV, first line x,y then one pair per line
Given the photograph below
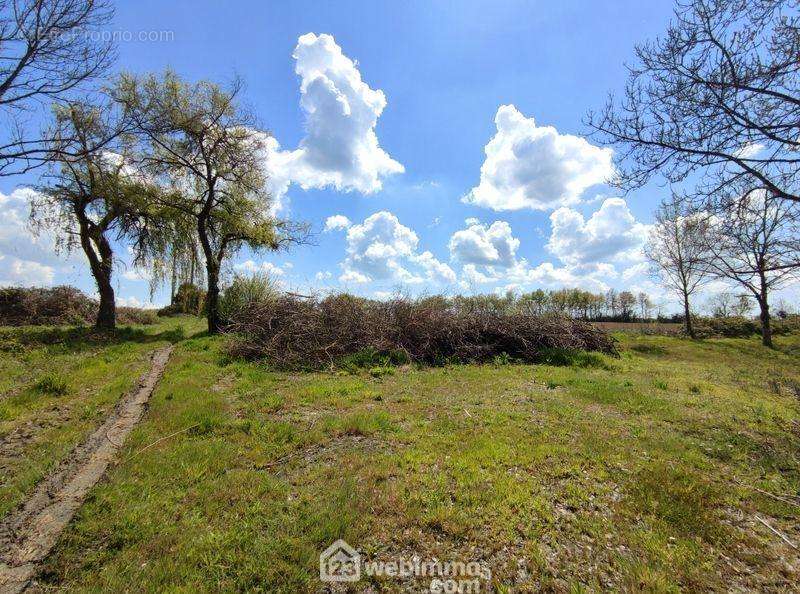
x,y
59,306
297,333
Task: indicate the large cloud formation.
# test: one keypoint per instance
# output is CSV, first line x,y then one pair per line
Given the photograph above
x,y
591,252
530,166
488,254
383,249
341,148
611,233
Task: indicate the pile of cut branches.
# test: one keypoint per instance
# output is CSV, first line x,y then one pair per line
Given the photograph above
x,y
58,306
296,333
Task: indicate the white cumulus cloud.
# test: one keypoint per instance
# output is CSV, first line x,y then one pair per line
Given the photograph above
x,y
268,268
335,222
24,273
341,148
383,249
27,259
611,233
530,166
135,302
492,245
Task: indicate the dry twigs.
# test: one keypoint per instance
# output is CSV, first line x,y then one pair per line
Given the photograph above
x,y
294,333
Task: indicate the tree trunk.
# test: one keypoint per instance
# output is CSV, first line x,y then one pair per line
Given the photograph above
x,y
100,255
688,316
212,273
212,297
766,327
107,313
174,276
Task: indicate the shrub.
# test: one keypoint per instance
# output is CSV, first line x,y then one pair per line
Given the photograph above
x,y
135,316
188,299
346,330
58,306
736,327
245,292
731,327
52,385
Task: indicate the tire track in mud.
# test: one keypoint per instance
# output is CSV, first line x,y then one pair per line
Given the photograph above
x,y
29,533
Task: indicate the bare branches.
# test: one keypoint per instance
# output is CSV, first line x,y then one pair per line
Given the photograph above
x,y
293,332
48,48
677,249
719,93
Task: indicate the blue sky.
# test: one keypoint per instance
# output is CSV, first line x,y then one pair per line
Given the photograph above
x,y
445,69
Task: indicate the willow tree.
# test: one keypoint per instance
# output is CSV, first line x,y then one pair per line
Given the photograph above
x,y
208,148
92,198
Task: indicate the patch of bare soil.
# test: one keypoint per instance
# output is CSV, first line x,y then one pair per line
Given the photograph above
x,y
28,534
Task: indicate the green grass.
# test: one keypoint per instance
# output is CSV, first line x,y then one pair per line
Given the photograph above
x,y
590,474
57,385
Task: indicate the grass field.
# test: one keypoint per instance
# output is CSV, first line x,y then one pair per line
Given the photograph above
x,y
654,472
56,385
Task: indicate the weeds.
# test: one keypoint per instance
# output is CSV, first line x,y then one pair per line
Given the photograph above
x,y
52,385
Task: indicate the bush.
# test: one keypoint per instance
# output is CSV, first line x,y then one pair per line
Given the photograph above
x,y
52,385
245,292
188,299
135,316
786,325
294,333
735,327
732,327
58,306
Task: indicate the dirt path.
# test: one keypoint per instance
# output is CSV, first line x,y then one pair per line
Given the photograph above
x,y
28,534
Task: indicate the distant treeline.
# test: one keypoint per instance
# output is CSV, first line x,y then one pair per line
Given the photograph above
x,y
612,306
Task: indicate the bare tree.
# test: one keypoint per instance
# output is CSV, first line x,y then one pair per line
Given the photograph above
x,y
754,240
211,150
721,305
645,305
612,302
676,250
47,50
627,304
719,94
727,304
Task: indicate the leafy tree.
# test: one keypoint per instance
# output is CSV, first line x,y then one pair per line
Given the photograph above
x,y
91,196
627,304
207,147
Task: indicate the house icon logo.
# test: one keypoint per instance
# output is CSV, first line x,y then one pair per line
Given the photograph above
x,y
340,563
